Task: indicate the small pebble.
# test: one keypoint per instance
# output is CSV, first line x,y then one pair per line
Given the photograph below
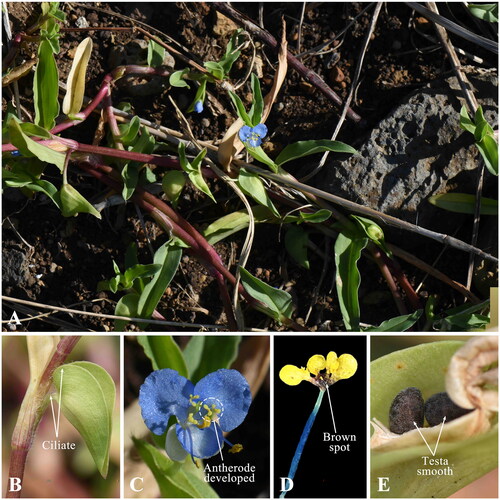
x,y
81,22
336,75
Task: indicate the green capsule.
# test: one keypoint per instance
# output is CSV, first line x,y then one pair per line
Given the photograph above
x,y
172,184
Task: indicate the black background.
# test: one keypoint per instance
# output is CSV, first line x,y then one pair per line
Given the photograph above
x,y
321,473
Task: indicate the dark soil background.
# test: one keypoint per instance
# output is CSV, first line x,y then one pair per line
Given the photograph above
x,y
58,261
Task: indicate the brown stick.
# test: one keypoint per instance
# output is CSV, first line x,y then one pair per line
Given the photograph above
x,y
312,77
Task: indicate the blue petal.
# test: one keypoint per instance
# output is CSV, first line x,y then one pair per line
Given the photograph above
x,y
230,392
198,106
200,443
163,394
254,142
244,132
173,446
260,130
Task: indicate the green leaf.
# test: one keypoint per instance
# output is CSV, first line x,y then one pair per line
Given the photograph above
x,y
481,130
486,11
194,170
206,353
130,130
304,148
28,147
215,69
347,253
484,137
126,306
36,130
139,271
464,203
168,257
296,240
321,215
163,353
480,120
72,202
18,178
465,121
55,12
240,108
275,303
46,87
423,366
464,318
255,114
234,222
199,182
196,163
156,54
75,87
231,53
252,184
227,62
397,324
46,188
260,155
176,79
130,172
173,478
87,401
488,148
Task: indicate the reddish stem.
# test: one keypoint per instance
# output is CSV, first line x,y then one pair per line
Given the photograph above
x,y
398,273
15,43
386,273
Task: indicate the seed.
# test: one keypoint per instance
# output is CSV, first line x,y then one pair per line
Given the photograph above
x,y
407,408
439,406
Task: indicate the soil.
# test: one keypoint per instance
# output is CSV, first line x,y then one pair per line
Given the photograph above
x,y
58,261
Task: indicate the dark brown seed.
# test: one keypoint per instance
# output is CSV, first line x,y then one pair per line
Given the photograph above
x,y
439,406
406,408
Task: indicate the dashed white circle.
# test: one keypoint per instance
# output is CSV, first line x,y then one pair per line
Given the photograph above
x,y
212,401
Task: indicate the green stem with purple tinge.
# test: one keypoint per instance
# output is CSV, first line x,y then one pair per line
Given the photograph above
x,y
30,414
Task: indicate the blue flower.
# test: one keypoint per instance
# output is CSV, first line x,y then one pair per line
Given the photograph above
x,y
198,106
218,403
252,136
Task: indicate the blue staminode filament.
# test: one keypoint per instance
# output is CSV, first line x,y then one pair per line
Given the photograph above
x,y
303,439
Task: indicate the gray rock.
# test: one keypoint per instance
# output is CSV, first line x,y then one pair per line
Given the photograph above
x,y
417,151
14,266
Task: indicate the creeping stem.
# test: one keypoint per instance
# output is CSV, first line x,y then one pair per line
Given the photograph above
x,y
303,439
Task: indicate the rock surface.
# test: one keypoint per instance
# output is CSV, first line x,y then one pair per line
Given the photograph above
x,y
417,151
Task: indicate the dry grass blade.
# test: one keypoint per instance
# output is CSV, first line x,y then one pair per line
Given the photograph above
x,y
38,305
455,28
